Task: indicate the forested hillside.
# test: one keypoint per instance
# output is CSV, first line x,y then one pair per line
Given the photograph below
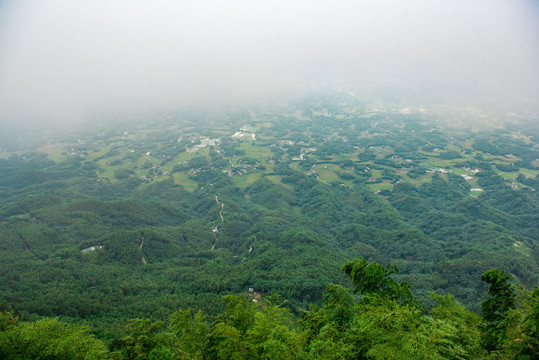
x,y
378,319
104,225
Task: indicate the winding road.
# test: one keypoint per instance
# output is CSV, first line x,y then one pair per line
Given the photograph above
x,y
222,206
222,219
143,258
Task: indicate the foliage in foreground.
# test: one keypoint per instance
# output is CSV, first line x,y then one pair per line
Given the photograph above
x,y
378,319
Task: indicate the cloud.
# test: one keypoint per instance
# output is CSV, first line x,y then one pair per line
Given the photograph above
x,y
64,59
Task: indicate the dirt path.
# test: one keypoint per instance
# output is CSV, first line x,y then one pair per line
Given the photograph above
x,y
222,206
141,245
222,219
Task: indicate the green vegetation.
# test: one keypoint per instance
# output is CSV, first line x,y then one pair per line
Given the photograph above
x,y
379,319
134,222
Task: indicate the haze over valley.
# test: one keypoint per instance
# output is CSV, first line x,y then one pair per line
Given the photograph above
x,y
66,62
278,180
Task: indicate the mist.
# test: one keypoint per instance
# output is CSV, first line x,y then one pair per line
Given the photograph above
x,y
62,61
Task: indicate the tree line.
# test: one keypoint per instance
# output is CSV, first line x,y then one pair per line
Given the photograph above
x,y
377,318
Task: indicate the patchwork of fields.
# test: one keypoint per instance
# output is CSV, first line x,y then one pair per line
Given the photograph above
x,y
377,149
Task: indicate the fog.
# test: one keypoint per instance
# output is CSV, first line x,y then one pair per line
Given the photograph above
x,y
62,61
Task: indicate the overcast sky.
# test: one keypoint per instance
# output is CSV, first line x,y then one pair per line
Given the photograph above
x,y
63,59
